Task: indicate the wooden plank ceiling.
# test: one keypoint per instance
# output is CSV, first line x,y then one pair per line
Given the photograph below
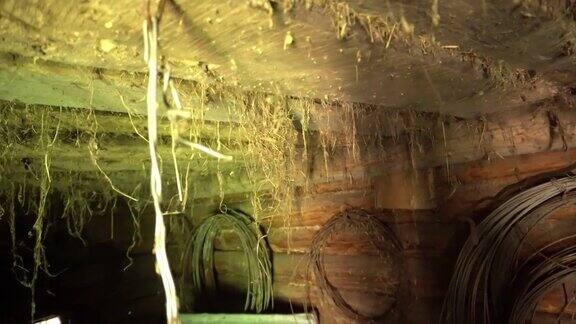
x,y
458,57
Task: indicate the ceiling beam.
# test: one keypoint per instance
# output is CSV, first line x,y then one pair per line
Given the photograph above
x,y
294,52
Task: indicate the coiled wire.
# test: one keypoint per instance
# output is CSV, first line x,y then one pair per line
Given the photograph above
x,y
198,258
479,291
362,221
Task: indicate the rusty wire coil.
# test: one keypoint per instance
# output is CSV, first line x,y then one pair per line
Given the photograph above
x,y
490,283
543,270
198,259
360,220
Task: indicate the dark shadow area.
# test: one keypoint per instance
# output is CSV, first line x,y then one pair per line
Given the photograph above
x,y
86,282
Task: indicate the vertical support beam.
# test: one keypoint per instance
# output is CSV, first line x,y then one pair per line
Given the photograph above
x,y
406,189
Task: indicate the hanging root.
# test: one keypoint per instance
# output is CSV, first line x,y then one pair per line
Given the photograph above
x,y
136,235
92,146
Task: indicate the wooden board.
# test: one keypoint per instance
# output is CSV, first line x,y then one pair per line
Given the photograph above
x,y
245,47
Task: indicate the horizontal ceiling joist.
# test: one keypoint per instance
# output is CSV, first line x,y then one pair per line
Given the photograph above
x,y
364,52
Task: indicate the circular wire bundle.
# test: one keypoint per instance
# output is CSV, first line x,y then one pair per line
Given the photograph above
x,y
485,269
359,220
256,252
507,258
538,275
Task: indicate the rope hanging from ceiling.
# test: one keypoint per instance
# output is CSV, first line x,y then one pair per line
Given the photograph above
x,y
198,258
490,283
152,58
362,222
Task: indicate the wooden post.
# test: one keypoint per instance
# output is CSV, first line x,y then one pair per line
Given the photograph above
x,y
406,189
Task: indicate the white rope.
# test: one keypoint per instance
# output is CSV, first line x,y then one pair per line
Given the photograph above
x,y
150,34
174,114
151,47
206,150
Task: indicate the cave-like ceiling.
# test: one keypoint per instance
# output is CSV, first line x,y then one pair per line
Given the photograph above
x,y
459,57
